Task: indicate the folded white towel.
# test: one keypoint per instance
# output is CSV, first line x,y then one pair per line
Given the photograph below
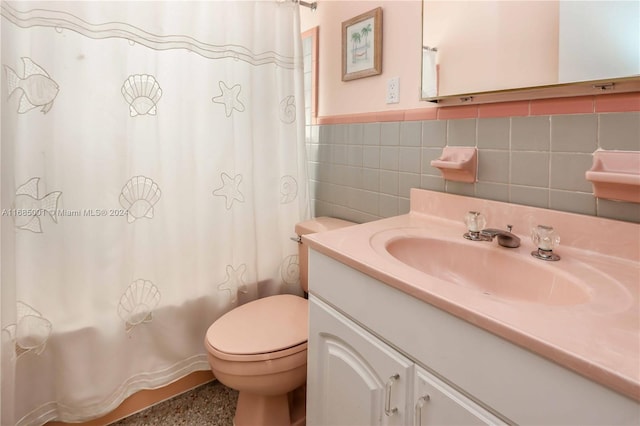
x,y
429,72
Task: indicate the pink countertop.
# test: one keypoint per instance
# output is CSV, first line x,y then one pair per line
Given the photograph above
x,y
598,338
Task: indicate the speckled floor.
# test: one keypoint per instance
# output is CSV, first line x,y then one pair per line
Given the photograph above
x,y
212,404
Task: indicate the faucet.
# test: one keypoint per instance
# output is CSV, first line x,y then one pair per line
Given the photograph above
x,y
505,238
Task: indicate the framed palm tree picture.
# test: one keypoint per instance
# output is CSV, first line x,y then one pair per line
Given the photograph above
x,y
362,45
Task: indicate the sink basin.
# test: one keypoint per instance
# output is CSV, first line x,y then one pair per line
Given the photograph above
x,y
490,270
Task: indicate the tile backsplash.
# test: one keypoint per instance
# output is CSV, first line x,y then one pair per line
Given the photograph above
x,y
364,171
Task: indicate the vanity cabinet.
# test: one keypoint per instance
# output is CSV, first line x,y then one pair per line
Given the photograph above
x,y
357,379
374,347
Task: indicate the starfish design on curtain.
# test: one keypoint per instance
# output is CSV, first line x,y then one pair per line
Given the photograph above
x,y
229,97
234,282
230,189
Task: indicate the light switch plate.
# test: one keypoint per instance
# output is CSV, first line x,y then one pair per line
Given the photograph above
x,y
393,90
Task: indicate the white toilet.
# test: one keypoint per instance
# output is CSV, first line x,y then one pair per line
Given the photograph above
x,y
260,349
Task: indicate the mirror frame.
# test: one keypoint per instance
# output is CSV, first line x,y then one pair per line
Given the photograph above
x,y
582,88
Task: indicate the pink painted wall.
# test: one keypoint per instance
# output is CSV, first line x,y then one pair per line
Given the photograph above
x,y
401,44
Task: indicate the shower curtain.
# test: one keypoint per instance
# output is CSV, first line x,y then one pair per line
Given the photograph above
x,y
152,170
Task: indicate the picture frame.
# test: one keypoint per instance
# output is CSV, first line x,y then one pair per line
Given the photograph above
x,y
362,45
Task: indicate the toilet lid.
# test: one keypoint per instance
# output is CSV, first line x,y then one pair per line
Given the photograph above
x,y
265,325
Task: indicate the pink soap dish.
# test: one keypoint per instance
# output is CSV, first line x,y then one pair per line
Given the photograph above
x,y
458,163
615,175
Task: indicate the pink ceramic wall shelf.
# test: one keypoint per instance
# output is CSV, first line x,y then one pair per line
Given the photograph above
x,y
616,175
458,163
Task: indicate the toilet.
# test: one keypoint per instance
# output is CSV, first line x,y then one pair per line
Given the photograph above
x,y
260,348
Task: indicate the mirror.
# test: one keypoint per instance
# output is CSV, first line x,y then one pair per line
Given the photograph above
x,y
478,47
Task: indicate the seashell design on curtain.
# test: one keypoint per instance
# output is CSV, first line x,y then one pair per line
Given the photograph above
x,y
153,169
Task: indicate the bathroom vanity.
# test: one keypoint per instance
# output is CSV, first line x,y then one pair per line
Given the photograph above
x,y
395,342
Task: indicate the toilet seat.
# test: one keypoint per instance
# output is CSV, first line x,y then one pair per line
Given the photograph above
x,y
264,329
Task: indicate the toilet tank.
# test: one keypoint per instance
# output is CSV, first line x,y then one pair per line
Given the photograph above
x,y
311,226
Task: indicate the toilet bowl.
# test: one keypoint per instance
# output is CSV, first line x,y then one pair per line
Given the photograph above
x,y
260,349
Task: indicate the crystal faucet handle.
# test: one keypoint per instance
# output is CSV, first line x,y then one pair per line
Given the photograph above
x,y
546,239
475,221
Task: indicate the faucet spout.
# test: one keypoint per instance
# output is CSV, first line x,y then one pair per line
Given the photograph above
x,y
505,238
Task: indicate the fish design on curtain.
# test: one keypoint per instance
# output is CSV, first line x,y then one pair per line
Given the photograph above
x,y
29,206
38,89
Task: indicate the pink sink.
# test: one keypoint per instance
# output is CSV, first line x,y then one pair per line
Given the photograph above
x,y
491,270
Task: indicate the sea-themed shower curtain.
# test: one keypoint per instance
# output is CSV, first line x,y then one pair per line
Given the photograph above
x,y
152,171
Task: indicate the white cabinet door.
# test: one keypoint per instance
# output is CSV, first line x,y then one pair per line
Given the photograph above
x,y
436,403
353,378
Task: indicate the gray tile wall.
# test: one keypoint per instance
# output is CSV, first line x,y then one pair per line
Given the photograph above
x,y
363,172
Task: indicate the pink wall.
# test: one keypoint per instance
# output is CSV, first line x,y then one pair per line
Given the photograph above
x,y
401,44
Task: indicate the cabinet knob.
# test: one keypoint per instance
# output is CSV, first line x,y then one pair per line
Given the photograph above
x,y
387,395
